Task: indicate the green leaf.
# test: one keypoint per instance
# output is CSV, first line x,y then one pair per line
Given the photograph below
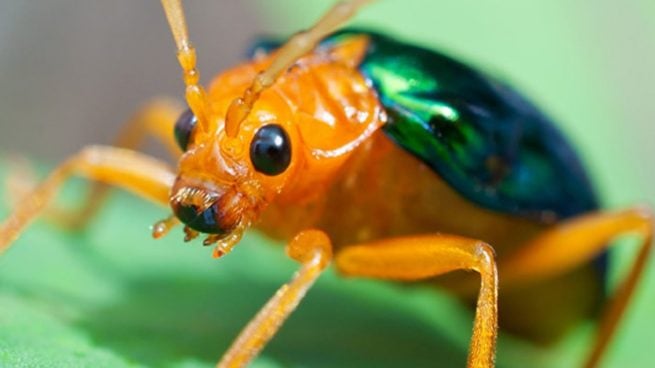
x,y
111,296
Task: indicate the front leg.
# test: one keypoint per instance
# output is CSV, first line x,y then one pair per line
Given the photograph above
x,y
155,119
136,172
312,248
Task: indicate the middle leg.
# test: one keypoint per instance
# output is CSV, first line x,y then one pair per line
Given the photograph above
x,y
421,257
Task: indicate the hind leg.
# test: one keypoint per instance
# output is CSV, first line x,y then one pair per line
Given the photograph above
x,y
585,236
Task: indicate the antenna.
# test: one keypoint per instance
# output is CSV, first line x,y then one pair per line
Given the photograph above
x,y
289,53
186,55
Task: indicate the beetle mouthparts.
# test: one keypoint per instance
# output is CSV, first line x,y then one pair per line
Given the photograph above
x,y
205,210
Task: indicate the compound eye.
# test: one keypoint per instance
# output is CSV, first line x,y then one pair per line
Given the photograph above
x,y
184,127
270,150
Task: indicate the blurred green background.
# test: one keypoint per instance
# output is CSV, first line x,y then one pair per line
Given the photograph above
x,y
70,73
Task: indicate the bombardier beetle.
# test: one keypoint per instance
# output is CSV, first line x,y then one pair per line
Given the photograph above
x,y
384,159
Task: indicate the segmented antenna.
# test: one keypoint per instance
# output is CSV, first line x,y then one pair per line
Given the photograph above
x,y
186,55
289,53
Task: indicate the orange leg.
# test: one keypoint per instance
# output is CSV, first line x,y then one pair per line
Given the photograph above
x,y
399,259
313,250
124,168
420,257
156,119
588,235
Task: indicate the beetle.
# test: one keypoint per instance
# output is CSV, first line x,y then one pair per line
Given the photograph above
x,y
395,129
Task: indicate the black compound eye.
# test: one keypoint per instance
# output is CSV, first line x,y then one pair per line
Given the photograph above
x,y
184,127
270,150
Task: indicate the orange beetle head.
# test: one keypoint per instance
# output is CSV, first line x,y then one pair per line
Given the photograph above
x,y
224,182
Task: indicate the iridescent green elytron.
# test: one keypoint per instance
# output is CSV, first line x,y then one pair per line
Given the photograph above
x,y
483,138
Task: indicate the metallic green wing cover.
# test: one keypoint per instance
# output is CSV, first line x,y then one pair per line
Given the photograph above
x,y
483,138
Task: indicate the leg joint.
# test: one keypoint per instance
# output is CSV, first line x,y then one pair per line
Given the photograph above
x,y
485,257
311,245
91,153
